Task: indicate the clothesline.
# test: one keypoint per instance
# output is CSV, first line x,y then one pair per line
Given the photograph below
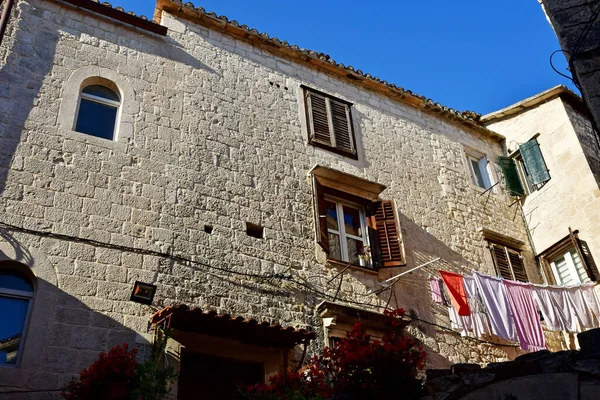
x,y
481,305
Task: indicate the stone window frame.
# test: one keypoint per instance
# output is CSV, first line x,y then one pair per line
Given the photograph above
x,y
472,153
70,98
5,292
36,332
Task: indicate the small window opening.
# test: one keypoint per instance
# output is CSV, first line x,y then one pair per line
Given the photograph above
x,y
256,231
208,229
98,110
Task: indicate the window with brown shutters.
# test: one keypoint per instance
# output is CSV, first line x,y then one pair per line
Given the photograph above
x,y
508,263
329,123
357,231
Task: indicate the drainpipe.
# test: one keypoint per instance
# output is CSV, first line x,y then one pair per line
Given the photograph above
x,y
5,17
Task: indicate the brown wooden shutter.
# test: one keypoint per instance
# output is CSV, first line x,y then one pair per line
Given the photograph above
x,y
322,237
342,126
388,233
501,261
516,263
590,264
318,117
376,256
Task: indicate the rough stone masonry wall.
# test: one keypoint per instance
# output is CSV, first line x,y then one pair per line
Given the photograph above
x,y
211,134
570,19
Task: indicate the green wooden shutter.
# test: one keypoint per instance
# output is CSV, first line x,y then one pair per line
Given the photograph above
x,y
534,162
511,175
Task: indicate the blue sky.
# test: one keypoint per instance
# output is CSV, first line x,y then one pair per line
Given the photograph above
x,y
469,54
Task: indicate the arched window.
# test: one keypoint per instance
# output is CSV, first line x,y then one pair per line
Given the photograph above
x,y
98,111
16,294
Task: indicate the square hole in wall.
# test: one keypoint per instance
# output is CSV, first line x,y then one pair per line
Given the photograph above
x,y
208,229
254,230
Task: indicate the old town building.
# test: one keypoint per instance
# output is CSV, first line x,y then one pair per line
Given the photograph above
x,y
265,192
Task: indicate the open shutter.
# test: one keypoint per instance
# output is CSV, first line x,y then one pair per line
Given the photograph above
x,y
511,175
322,237
534,162
342,127
388,233
516,263
586,256
501,261
318,118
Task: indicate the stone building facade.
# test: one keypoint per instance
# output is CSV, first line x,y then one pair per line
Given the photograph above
x,y
207,190
570,199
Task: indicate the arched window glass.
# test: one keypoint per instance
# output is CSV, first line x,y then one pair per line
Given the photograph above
x,y
98,110
16,293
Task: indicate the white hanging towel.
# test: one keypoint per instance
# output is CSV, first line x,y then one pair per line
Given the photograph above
x,y
563,307
552,319
479,319
582,311
591,299
493,295
463,324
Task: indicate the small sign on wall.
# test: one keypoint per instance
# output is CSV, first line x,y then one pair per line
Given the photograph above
x,y
143,292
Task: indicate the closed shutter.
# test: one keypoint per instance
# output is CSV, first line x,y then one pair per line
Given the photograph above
x,y
342,128
511,176
590,264
516,263
534,162
388,233
320,215
318,116
501,261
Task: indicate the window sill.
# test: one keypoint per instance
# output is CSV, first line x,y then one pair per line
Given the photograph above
x,y
91,140
344,264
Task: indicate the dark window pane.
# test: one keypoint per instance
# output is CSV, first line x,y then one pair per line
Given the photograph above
x,y
352,221
14,312
331,211
355,248
96,119
101,91
15,281
335,250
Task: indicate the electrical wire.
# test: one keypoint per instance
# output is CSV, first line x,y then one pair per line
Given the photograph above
x,y
277,276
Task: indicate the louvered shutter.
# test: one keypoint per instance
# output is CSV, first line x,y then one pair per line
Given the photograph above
x,y
501,261
318,116
534,162
322,237
590,264
342,127
388,233
516,263
511,175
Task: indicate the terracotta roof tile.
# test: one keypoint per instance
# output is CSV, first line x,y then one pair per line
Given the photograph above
x,y
210,322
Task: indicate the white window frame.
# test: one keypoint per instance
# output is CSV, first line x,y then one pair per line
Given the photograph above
x,y
570,265
25,295
341,232
483,169
103,101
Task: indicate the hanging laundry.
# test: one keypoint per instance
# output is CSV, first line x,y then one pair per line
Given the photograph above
x,y
527,322
582,311
493,295
591,299
552,318
463,324
563,307
456,289
436,290
480,323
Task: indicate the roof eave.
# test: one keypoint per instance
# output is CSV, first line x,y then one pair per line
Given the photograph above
x,y
321,63
531,102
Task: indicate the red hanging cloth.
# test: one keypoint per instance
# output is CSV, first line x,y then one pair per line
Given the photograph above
x,y
456,289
